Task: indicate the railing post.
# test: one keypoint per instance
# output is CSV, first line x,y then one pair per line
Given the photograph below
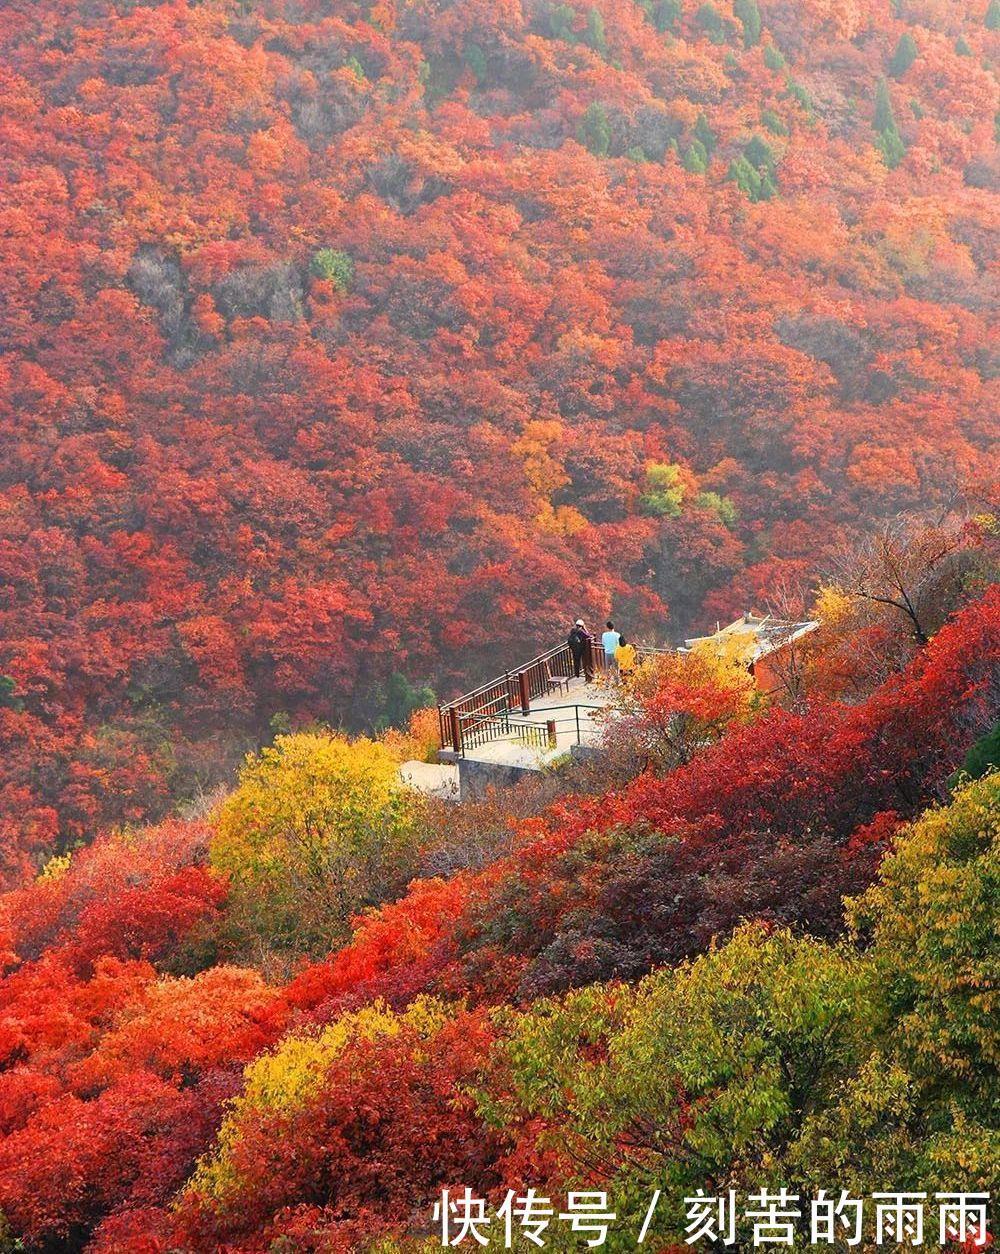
x,y
550,727
456,730
578,740
525,692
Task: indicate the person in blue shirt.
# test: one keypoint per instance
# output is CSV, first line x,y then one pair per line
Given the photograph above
x,y
610,640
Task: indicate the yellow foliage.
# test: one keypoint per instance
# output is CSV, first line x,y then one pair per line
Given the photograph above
x,y
933,917
832,606
420,741
543,471
318,827
726,657
283,1080
564,520
55,868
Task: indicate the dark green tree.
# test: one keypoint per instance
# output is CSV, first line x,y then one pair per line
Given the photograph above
x,y
704,134
475,59
798,93
904,56
710,20
746,178
561,18
595,37
774,59
888,139
8,688
749,15
758,153
773,122
667,14
695,159
885,119
594,131
983,757
334,266
993,15
398,699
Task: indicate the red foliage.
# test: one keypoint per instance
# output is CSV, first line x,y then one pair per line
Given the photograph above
x,y
387,1129
122,896
113,1078
780,820
395,953
339,344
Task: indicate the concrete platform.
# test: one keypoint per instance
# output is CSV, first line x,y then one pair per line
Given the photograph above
x,y
434,779
572,711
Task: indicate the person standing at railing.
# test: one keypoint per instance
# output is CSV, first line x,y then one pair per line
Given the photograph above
x,y
610,640
579,641
625,658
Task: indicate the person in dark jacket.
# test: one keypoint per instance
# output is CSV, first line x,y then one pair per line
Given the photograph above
x,y
579,641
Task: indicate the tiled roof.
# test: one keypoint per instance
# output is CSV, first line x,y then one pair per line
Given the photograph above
x,y
769,633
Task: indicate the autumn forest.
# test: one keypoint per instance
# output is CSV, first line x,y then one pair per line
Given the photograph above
x,y
348,353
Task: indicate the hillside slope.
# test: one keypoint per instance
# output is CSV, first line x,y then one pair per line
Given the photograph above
x,y
159,1091
342,340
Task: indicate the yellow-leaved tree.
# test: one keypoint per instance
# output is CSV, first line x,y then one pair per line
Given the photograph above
x,y
280,1083
319,827
677,703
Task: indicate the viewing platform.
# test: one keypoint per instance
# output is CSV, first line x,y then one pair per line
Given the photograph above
x,y
554,723
525,719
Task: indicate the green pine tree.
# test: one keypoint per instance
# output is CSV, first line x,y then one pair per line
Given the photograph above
x,y
561,18
475,59
773,122
884,117
982,758
695,158
888,139
904,56
749,15
759,154
594,131
334,266
8,693
746,178
799,94
774,59
595,32
993,15
890,144
704,134
710,20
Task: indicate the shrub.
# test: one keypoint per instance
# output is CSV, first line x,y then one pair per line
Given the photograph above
x,y
595,130
318,828
334,266
664,490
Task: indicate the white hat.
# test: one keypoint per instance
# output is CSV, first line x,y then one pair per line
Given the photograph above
x,y
579,622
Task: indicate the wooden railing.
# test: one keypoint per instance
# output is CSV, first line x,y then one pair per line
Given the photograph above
x,y
484,714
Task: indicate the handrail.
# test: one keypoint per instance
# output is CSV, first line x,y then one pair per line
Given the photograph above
x,y
574,705
477,729
498,698
507,675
